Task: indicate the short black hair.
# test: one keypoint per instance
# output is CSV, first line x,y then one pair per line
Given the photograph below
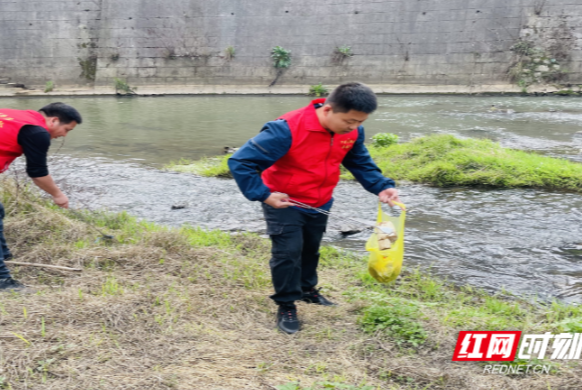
x,y
64,112
353,96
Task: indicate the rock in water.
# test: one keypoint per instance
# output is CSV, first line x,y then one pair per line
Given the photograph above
x,y
179,206
350,229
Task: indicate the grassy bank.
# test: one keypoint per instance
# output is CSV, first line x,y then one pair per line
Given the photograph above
x,y
161,308
444,161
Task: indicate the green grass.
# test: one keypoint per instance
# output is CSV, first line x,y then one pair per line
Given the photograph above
x,y
157,281
207,167
443,161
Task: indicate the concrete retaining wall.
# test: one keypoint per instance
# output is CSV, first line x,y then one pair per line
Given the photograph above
x,y
417,44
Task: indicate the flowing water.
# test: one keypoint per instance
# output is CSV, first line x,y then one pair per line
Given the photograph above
x,y
526,241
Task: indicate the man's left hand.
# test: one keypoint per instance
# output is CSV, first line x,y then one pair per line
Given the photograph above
x,y
389,195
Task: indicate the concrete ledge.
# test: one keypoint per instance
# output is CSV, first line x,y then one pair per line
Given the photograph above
x,y
276,90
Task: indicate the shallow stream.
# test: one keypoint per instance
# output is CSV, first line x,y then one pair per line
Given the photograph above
x,y
526,241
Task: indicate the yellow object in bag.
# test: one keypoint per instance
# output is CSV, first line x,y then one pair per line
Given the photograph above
x,y
385,265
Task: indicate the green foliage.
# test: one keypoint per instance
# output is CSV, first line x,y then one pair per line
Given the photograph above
x,y
397,320
443,160
281,57
323,386
49,86
123,86
344,51
524,48
318,90
208,166
111,287
533,65
384,139
229,53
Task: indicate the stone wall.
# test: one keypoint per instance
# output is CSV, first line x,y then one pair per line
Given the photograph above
x,y
183,42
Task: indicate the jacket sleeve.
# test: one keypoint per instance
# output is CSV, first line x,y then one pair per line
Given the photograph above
x,y
359,162
258,154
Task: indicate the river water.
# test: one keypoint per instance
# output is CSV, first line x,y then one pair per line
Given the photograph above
x,y
525,241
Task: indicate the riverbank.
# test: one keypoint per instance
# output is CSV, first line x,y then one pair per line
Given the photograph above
x,y
188,308
445,161
14,90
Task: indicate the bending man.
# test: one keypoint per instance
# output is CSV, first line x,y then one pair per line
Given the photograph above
x,y
299,156
30,133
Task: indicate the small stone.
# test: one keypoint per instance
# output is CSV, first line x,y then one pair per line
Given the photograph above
x,y
179,206
350,229
543,68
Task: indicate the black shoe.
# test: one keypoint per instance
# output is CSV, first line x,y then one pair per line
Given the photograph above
x,y
313,296
287,318
10,284
8,256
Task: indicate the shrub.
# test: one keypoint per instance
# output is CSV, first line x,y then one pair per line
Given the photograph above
x,y
123,86
49,86
281,57
318,90
384,139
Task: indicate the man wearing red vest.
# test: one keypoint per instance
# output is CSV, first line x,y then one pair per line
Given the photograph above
x,y
30,133
299,156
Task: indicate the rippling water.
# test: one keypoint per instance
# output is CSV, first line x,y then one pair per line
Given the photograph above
x,y
526,241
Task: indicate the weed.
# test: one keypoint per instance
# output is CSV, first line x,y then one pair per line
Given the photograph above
x,y
111,287
398,320
281,61
384,139
229,53
318,90
49,86
281,57
341,53
208,167
123,86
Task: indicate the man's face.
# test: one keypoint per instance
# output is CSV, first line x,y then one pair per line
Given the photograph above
x,y
343,122
57,129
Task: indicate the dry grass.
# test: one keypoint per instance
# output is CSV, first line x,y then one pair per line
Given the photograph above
x,y
169,309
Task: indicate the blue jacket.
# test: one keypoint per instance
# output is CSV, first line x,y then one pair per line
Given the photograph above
x,y
274,141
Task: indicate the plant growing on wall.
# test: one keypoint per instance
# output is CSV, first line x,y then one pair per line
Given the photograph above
x,y
533,66
281,61
123,86
318,90
341,53
229,53
49,86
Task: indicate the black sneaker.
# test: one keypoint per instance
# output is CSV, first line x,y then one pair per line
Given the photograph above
x,y
313,296
8,256
10,284
287,318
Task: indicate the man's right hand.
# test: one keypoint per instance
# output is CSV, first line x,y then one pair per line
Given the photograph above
x,y
61,200
278,200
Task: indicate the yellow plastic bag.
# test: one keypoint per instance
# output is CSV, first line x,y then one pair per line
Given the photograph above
x,y
385,265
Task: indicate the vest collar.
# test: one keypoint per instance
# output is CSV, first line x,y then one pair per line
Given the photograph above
x,y
310,120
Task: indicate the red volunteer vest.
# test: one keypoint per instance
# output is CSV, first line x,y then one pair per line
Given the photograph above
x,y
310,170
11,121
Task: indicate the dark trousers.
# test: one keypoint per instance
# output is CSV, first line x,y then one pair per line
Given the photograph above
x,y
4,252
295,238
